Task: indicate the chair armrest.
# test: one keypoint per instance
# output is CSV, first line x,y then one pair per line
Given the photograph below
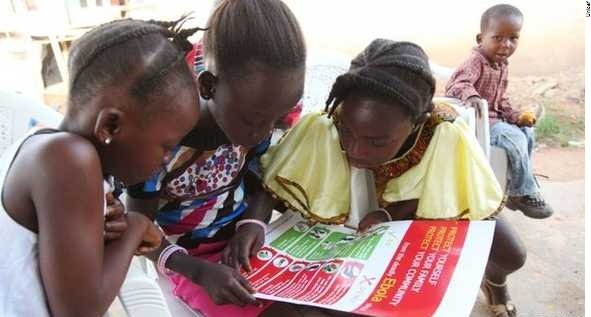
x,y
483,128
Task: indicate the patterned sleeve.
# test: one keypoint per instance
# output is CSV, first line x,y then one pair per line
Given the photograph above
x,y
194,58
147,189
254,167
461,83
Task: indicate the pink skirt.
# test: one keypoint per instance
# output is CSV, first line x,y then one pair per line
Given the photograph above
x,y
198,299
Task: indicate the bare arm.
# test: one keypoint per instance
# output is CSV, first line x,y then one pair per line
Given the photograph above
x,y
147,206
249,237
400,210
403,210
223,284
81,275
260,206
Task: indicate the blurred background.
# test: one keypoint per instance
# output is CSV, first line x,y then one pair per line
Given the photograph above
x,y
547,68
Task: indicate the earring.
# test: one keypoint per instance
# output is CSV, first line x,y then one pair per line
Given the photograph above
x,y
108,140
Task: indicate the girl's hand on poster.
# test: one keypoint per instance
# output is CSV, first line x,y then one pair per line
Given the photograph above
x,y
247,241
373,218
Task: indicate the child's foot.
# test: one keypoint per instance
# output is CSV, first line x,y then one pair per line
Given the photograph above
x,y
533,206
498,299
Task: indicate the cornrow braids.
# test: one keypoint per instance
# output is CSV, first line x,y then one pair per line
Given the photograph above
x,y
117,50
396,71
247,33
180,36
496,11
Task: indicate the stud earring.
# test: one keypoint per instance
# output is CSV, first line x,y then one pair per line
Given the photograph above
x,y
108,140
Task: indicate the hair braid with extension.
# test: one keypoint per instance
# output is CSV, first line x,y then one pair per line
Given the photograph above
x,y
395,71
114,52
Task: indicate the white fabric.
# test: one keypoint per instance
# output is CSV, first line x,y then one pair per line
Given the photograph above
x,y
363,196
21,290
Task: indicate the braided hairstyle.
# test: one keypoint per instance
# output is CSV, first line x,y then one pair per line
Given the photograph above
x,y
247,33
148,52
387,70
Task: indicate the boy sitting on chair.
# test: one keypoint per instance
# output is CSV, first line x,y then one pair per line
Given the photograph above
x,y
484,75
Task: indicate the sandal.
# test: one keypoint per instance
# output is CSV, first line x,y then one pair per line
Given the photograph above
x,y
498,310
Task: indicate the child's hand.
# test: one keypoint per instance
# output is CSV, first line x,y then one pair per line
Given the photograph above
x,y
151,240
474,102
115,222
152,236
526,119
224,285
245,243
371,219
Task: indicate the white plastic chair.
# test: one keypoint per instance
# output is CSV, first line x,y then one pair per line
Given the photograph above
x,y
497,156
19,113
322,68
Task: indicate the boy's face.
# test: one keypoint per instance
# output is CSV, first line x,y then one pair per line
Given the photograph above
x,y
500,38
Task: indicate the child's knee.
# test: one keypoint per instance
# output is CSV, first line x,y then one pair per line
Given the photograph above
x,y
509,137
518,257
509,257
508,251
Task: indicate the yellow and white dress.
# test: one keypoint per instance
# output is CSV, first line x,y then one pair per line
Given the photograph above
x,y
444,169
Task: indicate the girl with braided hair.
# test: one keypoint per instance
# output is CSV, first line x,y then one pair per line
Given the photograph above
x,y
381,117
131,99
203,198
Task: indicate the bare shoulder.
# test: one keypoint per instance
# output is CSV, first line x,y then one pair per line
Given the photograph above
x,y
65,151
48,168
58,159
63,160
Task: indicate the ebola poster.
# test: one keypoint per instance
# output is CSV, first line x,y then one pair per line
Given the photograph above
x,y
402,268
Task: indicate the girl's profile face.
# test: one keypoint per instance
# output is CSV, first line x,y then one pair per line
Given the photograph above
x,y
372,131
247,109
143,144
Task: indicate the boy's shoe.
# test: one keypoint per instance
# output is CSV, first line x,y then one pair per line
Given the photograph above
x,y
533,206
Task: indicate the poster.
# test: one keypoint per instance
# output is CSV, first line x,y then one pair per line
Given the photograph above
x,y
403,268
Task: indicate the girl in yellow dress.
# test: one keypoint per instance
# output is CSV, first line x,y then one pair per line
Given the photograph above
x,y
381,116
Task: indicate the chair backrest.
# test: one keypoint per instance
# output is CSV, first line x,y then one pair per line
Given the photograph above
x,y
322,68
441,72
496,156
478,126
19,113
481,125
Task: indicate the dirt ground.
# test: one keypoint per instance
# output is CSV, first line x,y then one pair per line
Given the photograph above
x,y
551,284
